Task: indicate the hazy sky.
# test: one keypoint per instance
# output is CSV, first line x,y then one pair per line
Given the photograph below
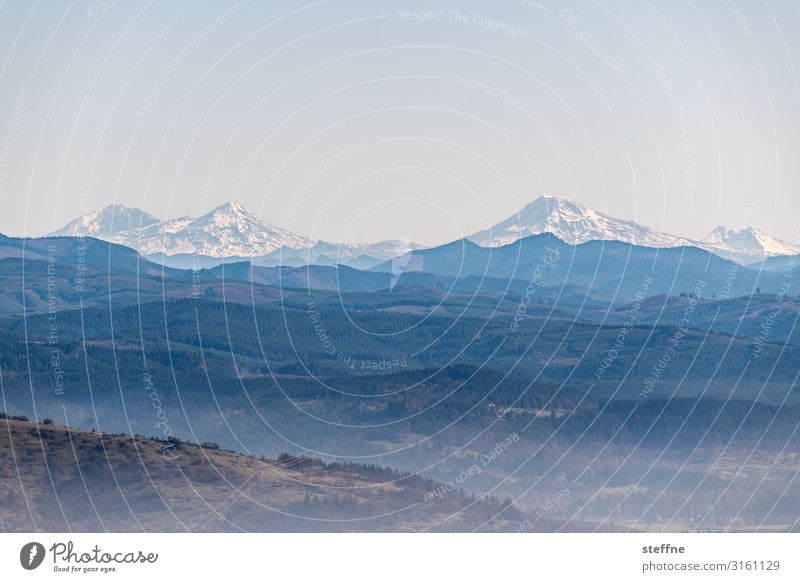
x,y
362,121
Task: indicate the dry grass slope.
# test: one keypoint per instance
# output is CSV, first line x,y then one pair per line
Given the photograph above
x,y
56,478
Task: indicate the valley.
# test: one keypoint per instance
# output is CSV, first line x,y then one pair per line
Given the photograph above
x,y
546,385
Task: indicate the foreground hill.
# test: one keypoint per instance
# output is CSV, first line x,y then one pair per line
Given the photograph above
x,y
54,478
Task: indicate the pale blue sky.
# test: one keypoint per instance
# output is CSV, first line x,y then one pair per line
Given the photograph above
x,y
440,118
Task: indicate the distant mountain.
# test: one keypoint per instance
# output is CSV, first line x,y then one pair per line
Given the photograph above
x,y
229,232
747,245
107,223
781,263
48,274
576,223
359,256
738,316
573,223
77,259
609,270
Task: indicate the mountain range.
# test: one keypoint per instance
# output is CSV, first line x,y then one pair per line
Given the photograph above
x,y
601,367
608,270
746,245
575,223
230,232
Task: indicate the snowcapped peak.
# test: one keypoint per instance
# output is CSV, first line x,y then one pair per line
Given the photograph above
x,y
230,213
562,200
226,231
573,223
105,223
722,233
717,232
746,245
231,208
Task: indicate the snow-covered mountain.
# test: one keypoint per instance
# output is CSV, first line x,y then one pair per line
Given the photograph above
x,y
231,231
228,231
747,245
573,223
105,223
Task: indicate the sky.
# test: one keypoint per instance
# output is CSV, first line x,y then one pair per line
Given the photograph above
x,y
364,121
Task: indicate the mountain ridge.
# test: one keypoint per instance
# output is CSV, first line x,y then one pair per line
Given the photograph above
x,y
576,223
151,484
231,231
572,222
227,231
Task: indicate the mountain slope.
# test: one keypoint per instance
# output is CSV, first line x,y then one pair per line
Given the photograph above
x,y
746,245
229,231
606,269
107,223
573,223
576,223
54,478
325,253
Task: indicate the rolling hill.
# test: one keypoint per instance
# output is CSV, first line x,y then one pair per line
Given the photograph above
x,y
54,478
